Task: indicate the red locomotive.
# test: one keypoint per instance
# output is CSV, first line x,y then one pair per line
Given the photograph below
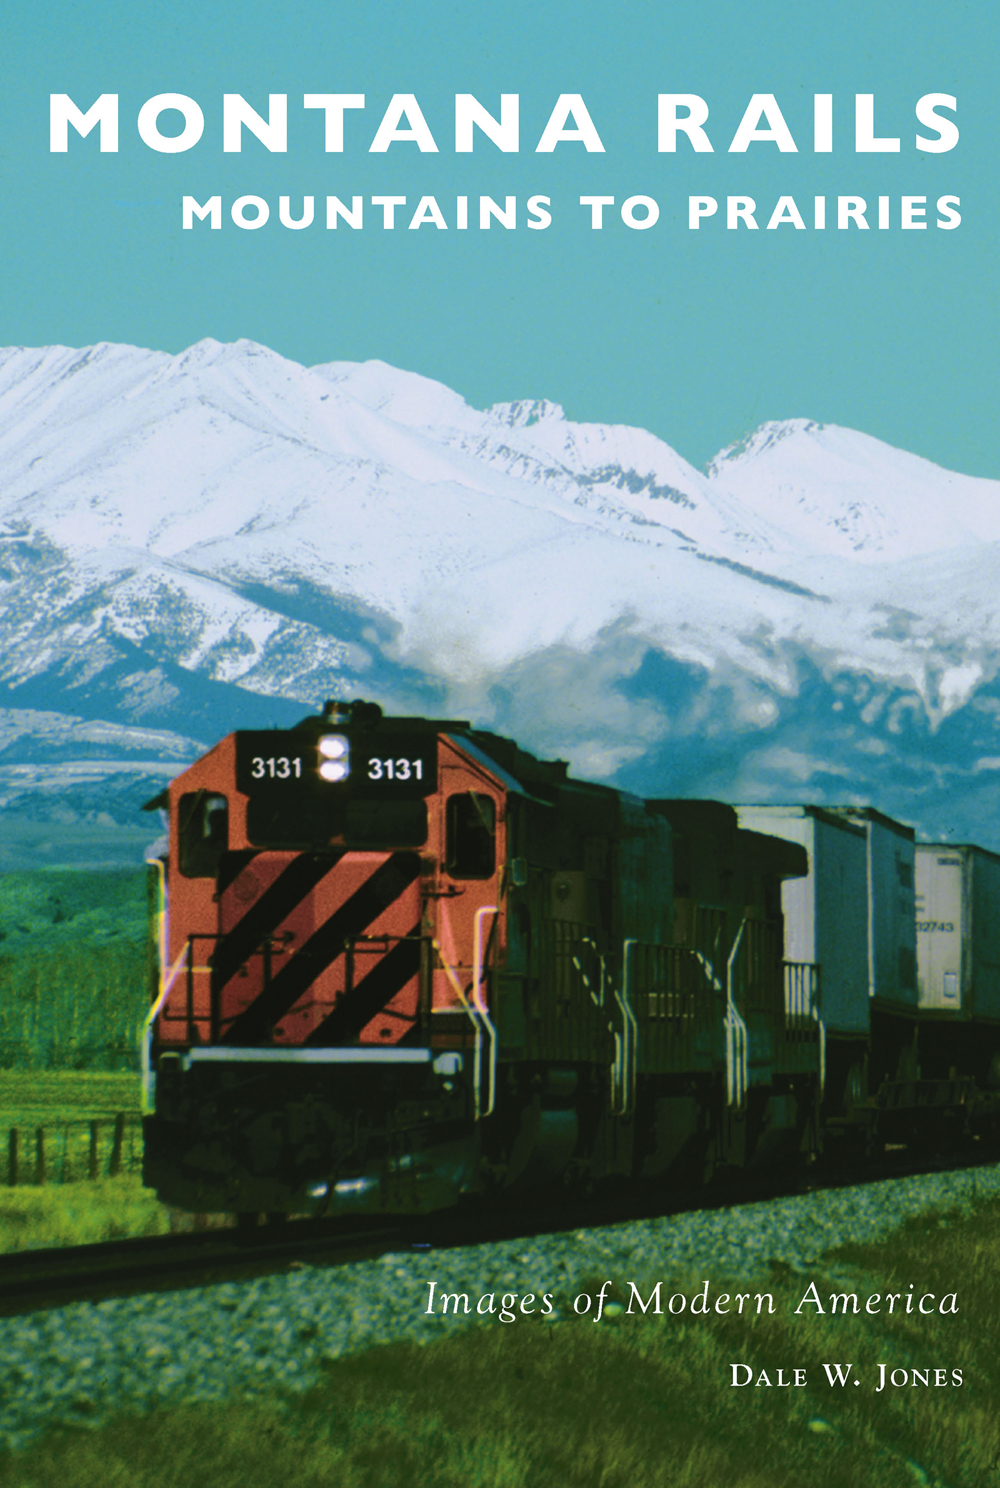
x,y
402,960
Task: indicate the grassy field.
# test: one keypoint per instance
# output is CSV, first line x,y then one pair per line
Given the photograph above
x,y
37,1095
79,1213
63,1211
74,991
630,1403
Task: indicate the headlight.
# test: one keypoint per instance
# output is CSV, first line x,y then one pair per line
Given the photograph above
x,y
335,757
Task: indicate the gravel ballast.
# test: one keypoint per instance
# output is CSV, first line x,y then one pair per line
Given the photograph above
x,y
86,1362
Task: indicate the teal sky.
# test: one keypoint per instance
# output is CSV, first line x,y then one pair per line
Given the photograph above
x,y
699,336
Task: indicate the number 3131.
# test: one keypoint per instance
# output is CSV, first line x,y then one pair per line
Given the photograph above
x,y
400,769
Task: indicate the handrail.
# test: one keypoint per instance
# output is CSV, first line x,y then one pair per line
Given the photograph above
x,y
737,1042
597,998
146,1036
708,969
473,1018
168,977
628,1048
477,981
162,910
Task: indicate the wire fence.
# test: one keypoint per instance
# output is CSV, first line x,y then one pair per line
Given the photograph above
x,y
74,1151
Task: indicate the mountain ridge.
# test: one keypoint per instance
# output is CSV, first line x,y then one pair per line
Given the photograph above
x,y
224,536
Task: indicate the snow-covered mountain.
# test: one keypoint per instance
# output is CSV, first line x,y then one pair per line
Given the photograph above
x,y
224,538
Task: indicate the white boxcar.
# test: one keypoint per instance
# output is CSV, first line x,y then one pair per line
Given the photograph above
x,y
892,920
826,913
958,930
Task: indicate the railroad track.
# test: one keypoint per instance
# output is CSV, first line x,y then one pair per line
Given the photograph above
x,y
38,1279
30,1280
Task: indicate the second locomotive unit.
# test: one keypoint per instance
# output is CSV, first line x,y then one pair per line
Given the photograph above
x,y
401,960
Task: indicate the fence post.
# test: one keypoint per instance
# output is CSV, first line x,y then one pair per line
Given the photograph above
x,y
115,1165
40,1155
94,1125
12,1157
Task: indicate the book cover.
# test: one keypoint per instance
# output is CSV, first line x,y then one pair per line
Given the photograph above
x,y
620,379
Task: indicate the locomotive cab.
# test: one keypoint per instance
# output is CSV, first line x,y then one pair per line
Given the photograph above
x,y
331,898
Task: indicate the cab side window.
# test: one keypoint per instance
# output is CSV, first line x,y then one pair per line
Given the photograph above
x,y
202,833
470,832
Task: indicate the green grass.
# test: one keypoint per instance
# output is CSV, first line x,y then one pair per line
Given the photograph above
x,y
51,1095
64,1103
84,1213
73,1212
629,1403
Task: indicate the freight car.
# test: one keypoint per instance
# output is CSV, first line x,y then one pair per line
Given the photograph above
x,y
400,960
958,962
907,937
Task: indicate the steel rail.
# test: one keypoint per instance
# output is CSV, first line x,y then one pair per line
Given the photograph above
x,y
39,1279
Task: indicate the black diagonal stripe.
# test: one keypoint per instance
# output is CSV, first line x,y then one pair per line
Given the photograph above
x,y
391,879
355,1009
232,864
236,947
